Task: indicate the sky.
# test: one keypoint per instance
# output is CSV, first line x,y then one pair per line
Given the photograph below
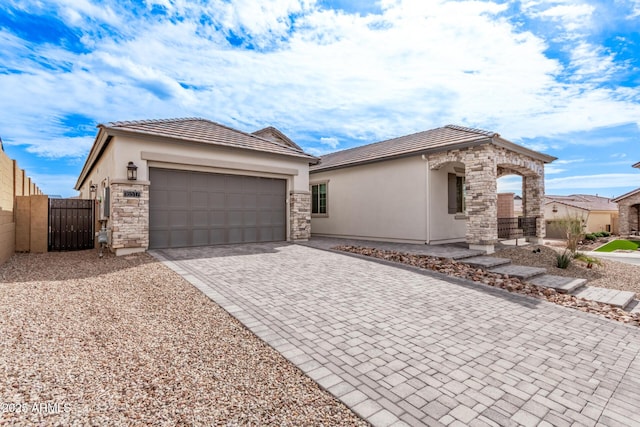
x,y
558,76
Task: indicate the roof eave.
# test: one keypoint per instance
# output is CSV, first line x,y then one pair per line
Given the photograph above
x,y
624,196
404,155
99,145
637,165
128,132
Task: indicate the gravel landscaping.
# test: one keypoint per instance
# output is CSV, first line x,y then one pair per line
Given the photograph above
x,y
520,255
125,341
610,274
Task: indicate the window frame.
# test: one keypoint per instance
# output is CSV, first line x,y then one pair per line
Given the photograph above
x,y
456,195
318,185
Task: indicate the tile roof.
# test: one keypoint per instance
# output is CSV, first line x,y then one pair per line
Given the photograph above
x,y
434,140
207,132
626,195
584,201
274,134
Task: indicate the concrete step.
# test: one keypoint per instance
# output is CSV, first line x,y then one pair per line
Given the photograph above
x,y
608,296
519,271
564,285
633,306
486,261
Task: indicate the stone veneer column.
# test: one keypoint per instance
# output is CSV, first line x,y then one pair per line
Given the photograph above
x,y
533,204
129,219
628,219
481,198
300,215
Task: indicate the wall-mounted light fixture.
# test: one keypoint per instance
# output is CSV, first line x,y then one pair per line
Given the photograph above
x,y
555,209
132,172
92,190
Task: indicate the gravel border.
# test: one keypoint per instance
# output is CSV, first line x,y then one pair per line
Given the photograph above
x,y
610,274
481,276
126,341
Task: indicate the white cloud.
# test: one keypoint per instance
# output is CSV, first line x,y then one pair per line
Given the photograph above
x,y
330,141
417,65
614,180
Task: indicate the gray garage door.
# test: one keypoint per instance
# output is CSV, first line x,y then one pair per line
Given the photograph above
x,y
199,209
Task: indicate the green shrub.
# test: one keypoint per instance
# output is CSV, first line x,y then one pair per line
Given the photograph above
x,y
605,233
587,259
590,236
563,260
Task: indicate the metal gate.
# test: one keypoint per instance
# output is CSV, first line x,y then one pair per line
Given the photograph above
x,y
71,224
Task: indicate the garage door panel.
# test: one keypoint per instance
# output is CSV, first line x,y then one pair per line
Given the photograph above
x,y
217,236
250,235
265,234
217,218
250,201
234,201
200,218
159,219
159,239
200,237
233,184
235,235
234,218
161,197
250,218
199,181
177,198
179,238
217,200
190,208
179,218
177,180
199,199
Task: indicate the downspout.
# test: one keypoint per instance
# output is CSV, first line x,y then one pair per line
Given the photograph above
x,y
427,205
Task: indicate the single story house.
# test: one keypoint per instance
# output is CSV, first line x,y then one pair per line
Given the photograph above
x,y
193,182
629,205
437,186
596,213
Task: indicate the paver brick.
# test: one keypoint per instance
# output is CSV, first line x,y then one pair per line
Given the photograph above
x,y
493,355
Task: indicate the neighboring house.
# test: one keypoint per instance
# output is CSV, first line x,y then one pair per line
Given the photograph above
x,y
596,213
629,205
436,186
198,183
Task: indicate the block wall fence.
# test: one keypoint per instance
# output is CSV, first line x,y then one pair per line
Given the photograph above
x,y
14,183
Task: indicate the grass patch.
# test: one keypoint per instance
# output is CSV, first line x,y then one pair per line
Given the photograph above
x,y
629,245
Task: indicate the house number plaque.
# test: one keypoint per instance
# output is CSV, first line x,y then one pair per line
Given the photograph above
x,y
131,193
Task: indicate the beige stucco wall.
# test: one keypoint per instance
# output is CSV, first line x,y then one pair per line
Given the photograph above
x,y
594,221
368,201
598,221
443,226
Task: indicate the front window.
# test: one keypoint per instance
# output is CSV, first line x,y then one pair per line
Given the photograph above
x,y
456,193
319,199
460,195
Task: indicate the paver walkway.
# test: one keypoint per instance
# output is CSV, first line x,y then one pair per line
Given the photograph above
x,y
401,347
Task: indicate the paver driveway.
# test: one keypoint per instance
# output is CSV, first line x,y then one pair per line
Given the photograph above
x,y
404,347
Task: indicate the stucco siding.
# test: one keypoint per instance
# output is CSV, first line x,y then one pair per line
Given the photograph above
x,y
384,201
443,226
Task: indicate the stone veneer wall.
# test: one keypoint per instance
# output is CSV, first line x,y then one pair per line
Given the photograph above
x,y
300,215
533,201
628,219
129,219
481,198
483,165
